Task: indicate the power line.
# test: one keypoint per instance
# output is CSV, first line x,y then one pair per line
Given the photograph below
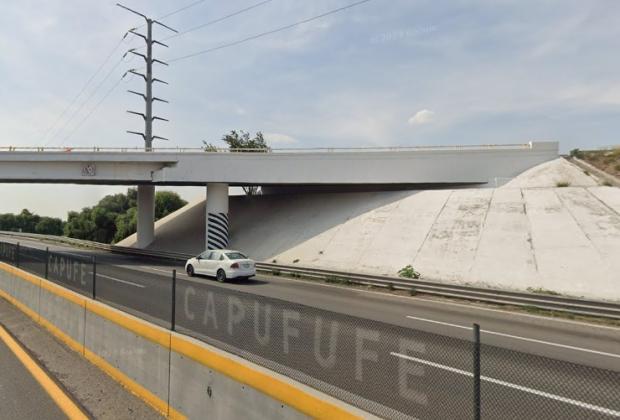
x,y
52,127
76,97
273,31
211,22
79,108
87,116
174,12
214,21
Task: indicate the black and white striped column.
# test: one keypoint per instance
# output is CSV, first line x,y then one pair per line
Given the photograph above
x,y
217,216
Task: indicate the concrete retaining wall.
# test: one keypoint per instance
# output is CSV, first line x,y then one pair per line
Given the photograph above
x,y
179,376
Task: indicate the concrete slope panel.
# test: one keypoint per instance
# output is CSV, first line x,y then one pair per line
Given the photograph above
x,y
609,196
549,174
505,256
600,224
448,252
567,261
403,232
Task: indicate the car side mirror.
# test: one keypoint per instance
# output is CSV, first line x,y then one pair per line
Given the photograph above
x,y
199,257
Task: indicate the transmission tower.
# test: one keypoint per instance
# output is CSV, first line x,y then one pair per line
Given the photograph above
x,y
148,78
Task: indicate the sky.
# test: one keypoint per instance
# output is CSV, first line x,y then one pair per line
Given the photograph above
x,y
383,73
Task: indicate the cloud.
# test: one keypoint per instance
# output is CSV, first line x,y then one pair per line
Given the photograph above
x,y
278,138
422,117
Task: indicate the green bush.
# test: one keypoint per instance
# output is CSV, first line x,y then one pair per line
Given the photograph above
x,y
338,280
409,272
576,153
542,291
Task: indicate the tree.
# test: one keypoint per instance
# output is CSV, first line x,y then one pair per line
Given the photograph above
x,y
26,221
242,142
79,225
167,202
49,226
126,224
115,217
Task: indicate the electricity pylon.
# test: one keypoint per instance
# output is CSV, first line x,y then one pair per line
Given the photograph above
x,y
148,78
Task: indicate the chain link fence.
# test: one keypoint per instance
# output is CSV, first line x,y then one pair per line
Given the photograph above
x,y
388,370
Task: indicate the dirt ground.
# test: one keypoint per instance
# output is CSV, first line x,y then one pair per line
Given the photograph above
x,y
607,160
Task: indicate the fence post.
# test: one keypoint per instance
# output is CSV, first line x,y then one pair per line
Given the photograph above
x,y
17,256
47,262
94,277
174,300
476,371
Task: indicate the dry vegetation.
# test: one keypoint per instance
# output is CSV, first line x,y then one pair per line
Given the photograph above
x,y
607,160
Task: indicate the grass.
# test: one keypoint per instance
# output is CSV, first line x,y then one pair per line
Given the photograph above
x,y
295,261
409,272
338,280
542,291
607,160
562,184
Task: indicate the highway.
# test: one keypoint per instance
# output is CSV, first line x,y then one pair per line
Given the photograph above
x,y
21,396
427,339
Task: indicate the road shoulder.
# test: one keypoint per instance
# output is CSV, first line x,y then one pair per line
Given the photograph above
x,y
98,393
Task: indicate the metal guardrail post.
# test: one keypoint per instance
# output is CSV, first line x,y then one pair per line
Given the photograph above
x,y
476,354
17,256
174,301
47,262
94,277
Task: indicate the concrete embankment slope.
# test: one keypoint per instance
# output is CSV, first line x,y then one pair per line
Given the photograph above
x,y
526,234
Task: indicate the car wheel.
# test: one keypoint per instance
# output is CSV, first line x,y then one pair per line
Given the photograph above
x,y
190,271
221,275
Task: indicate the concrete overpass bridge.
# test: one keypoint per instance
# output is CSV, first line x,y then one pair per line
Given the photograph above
x,y
291,168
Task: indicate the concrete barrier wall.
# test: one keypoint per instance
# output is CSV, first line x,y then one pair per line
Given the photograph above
x,y
179,376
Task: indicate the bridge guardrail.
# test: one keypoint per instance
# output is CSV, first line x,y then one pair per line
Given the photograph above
x,y
547,302
96,149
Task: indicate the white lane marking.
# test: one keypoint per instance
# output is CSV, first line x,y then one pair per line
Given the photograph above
x,y
516,337
141,286
533,391
441,302
179,272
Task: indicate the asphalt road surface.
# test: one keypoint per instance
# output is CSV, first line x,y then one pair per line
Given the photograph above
x,y
397,356
21,396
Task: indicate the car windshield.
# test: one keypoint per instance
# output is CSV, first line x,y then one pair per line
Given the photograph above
x,y
236,256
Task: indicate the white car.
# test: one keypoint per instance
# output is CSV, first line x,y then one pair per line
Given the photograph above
x,y
222,264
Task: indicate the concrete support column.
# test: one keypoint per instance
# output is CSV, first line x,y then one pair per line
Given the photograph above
x,y
146,215
217,216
